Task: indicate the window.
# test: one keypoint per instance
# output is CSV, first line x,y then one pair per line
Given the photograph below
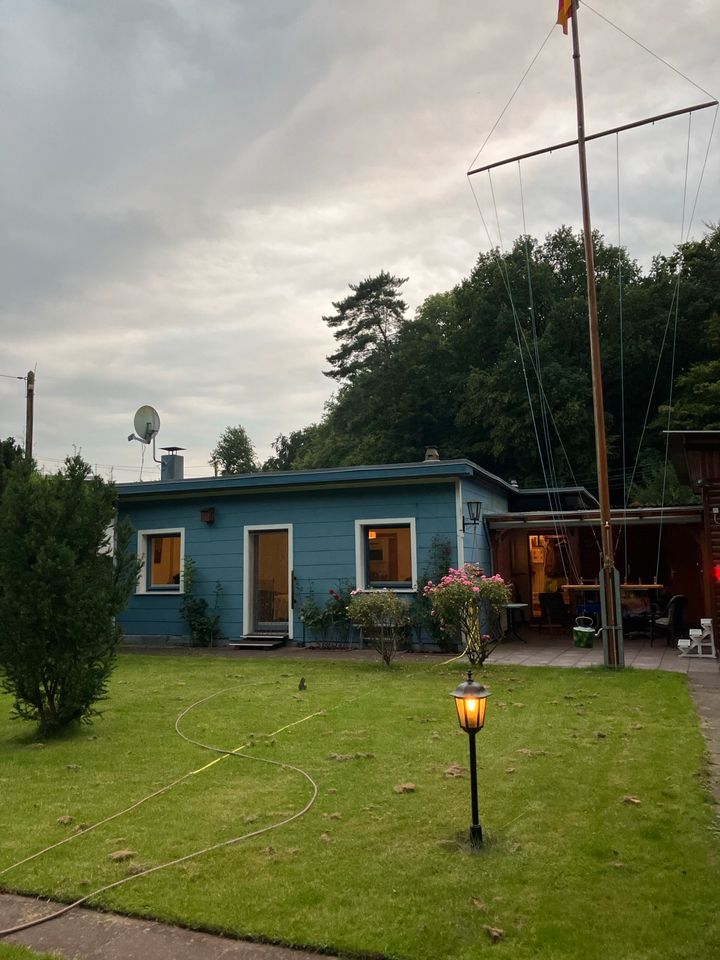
x,y
162,555
386,554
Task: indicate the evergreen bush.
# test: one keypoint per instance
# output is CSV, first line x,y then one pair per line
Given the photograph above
x,y
65,573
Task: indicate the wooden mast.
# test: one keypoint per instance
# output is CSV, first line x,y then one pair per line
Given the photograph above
x,y
612,620
609,580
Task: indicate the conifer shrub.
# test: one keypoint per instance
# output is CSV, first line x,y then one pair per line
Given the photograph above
x,y
65,573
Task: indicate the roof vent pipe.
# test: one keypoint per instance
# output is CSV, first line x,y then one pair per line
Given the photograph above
x,y
431,454
172,465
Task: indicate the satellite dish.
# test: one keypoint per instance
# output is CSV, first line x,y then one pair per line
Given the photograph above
x,y
147,424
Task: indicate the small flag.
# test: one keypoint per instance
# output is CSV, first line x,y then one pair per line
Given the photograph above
x,y
565,8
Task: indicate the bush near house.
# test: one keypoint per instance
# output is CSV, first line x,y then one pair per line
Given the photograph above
x,y
384,618
202,618
466,600
60,590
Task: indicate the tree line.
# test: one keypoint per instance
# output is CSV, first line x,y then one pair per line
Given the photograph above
x,y
497,369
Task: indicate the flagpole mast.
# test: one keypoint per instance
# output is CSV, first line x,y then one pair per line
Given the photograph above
x,y
612,626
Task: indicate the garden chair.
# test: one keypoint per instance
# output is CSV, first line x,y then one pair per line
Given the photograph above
x,y
553,612
671,621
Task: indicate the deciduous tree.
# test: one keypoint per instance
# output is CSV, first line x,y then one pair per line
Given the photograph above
x,y
234,452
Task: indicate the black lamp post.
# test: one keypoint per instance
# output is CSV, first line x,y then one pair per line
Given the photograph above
x,y
470,703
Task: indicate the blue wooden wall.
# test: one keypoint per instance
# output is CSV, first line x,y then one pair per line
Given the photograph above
x,y
476,541
323,541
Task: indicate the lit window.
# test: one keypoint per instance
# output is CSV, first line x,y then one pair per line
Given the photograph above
x,y
161,552
387,555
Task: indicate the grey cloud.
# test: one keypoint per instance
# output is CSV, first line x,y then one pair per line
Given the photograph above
x,y
191,184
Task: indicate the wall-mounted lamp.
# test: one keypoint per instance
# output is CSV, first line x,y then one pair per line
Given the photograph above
x,y
208,516
474,509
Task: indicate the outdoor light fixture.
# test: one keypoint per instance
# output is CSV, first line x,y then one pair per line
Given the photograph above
x,y
474,509
208,516
470,703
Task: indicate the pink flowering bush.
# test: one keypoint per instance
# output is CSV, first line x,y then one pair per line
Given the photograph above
x,y
467,601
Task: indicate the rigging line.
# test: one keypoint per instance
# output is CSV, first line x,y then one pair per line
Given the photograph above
x,y
643,47
533,320
702,173
546,412
675,292
673,355
545,402
512,96
622,357
11,376
496,254
538,367
575,481
519,334
503,276
652,391
675,296
505,273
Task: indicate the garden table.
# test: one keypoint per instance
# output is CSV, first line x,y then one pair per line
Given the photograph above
x,y
510,630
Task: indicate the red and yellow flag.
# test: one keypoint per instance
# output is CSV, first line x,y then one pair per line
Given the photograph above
x,y
564,13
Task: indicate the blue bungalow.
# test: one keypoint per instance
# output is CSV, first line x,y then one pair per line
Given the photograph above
x,y
270,539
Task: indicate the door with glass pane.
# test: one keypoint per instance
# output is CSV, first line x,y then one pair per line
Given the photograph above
x,y
270,581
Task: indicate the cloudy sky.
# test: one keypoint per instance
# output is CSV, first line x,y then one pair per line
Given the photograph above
x,y
187,185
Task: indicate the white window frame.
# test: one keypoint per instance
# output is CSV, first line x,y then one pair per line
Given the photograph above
x,y
142,548
361,560
247,574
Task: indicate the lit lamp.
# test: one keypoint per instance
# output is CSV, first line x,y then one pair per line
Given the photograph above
x,y
470,703
474,509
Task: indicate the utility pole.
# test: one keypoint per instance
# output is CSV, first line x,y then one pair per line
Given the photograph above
x,y
29,404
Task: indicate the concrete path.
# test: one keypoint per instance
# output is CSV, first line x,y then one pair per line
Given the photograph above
x,y
86,935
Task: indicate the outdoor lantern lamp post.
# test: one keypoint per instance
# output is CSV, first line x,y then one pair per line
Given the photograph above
x,y
470,703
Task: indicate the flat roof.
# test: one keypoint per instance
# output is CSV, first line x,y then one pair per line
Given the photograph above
x,y
432,470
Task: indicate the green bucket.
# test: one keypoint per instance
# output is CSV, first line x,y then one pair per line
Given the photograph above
x,y
583,632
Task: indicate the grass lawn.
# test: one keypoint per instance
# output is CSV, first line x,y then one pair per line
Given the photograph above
x,y
11,952
570,869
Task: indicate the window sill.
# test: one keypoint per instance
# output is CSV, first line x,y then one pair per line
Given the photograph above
x,y
159,593
375,589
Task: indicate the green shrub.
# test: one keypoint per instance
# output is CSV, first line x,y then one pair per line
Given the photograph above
x,y
424,623
202,619
62,582
384,619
